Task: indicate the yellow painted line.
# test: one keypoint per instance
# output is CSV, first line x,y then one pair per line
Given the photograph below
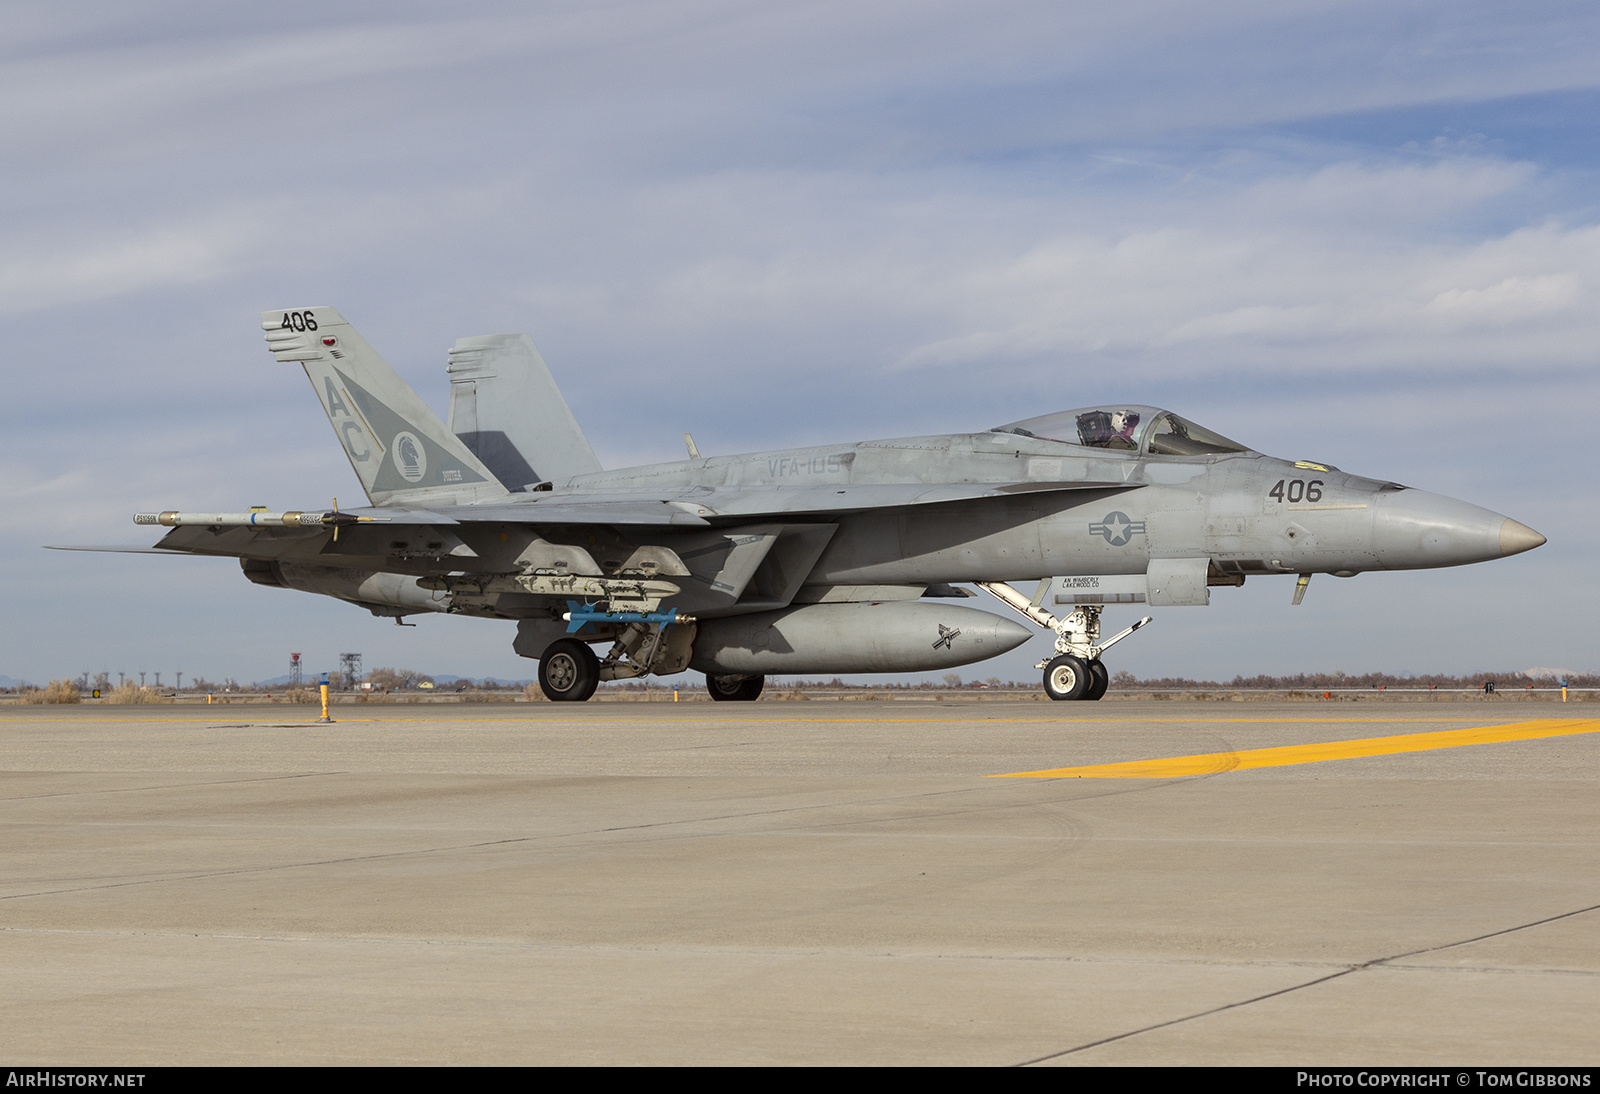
x,y
545,713
184,721
1212,763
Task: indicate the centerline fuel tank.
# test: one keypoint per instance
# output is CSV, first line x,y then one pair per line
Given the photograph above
x,y
902,636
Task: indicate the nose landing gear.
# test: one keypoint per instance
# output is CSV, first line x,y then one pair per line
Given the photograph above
x,y
1075,672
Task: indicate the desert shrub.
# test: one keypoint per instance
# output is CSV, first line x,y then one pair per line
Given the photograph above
x,y
387,679
534,693
130,692
57,691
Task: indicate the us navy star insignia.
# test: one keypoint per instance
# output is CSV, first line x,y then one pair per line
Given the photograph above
x,y
1117,529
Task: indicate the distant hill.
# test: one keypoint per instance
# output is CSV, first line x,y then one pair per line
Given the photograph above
x,y
443,680
450,680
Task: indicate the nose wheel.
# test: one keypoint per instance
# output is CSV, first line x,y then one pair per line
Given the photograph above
x,y
1099,680
1075,672
1068,677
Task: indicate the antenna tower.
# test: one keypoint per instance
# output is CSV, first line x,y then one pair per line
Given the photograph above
x,y
350,666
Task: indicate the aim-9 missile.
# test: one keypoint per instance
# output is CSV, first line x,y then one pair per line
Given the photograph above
x,y
255,518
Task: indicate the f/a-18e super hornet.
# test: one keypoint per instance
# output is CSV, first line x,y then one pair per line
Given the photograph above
x,y
844,558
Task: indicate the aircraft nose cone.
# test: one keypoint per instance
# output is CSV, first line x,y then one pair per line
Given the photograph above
x,y
1516,537
1417,530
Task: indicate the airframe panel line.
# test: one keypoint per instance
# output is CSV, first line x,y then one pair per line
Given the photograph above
x,y
1216,762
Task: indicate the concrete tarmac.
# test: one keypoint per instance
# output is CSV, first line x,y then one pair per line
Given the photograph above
x,y
795,883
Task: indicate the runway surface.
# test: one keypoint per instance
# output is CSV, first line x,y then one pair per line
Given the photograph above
x,y
802,882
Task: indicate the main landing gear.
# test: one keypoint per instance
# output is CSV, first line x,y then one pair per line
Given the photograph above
x,y
1075,672
569,671
735,689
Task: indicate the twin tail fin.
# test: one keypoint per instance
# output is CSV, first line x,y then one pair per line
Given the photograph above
x,y
401,452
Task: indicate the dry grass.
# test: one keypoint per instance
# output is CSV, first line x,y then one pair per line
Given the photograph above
x,y
57,691
133,693
533,693
488,696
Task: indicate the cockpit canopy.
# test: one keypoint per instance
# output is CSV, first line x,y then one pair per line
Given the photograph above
x,y
1126,428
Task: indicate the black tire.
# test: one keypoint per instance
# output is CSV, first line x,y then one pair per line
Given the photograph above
x,y
569,671
735,689
1099,680
1066,677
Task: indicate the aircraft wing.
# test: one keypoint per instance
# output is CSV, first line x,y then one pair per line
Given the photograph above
x,y
694,507
795,500
579,510
699,506
108,548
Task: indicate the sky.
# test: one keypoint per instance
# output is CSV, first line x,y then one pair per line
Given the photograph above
x,y
1359,233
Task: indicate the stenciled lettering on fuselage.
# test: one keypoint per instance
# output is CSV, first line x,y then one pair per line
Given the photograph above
x,y
1117,529
781,467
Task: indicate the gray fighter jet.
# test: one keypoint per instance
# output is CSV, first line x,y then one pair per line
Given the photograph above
x,y
838,559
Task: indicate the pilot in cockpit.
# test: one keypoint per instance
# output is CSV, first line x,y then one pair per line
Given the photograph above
x,y
1123,423
1099,429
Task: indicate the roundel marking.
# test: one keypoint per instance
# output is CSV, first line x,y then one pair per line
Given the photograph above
x,y
1116,529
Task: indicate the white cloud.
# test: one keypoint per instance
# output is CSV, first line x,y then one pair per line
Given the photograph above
x,y
1347,268
1513,300
49,273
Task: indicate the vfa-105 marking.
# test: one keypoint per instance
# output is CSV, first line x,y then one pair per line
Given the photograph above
x,y
838,559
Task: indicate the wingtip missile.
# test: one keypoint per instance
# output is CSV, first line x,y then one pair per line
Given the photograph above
x,y
256,518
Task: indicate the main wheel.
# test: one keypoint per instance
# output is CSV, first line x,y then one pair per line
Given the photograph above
x,y
569,671
1099,680
735,689
1066,677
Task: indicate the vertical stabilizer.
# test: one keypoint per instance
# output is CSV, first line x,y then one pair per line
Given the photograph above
x,y
506,408
399,449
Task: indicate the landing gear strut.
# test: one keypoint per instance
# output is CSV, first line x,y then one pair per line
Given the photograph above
x,y
1075,672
